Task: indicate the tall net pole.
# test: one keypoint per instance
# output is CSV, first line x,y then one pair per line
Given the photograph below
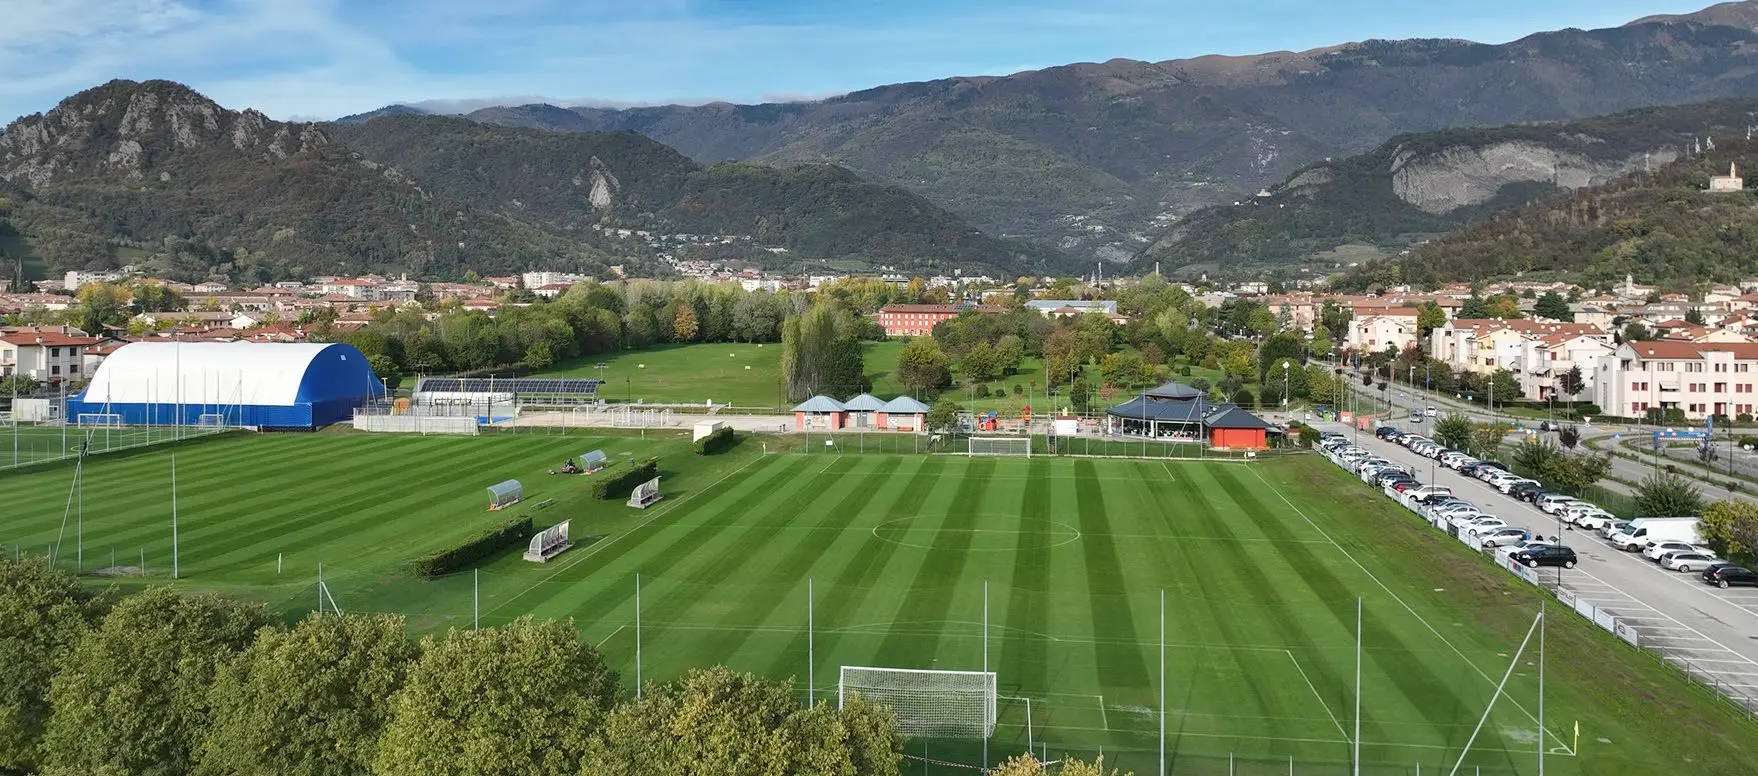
x,y
985,668
1541,683
1162,770
637,636
1355,752
476,599
174,562
811,654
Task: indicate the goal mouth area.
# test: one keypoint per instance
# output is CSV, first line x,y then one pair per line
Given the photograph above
x,y
1002,445
928,703
98,420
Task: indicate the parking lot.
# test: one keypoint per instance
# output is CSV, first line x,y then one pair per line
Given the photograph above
x,y
1708,632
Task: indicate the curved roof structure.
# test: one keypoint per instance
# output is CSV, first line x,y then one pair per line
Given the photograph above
x,y
231,373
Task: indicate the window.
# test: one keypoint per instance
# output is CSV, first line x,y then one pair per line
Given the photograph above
x,y
1721,387
1721,367
1694,367
55,370
1666,366
73,370
1742,368
54,352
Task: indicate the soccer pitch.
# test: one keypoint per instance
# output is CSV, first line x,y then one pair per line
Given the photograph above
x,y
1261,565
28,445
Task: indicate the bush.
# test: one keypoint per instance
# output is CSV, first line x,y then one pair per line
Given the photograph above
x,y
1018,390
1749,441
1244,398
1744,418
512,533
618,485
982,391
718,442
1184,370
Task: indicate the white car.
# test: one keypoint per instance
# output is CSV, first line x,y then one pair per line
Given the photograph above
x,y
1689,561
1501,537
1555,503
1457,461
1592,519
1506,485
1657,549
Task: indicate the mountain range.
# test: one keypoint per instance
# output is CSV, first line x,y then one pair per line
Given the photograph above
x,y
156,174
1100,159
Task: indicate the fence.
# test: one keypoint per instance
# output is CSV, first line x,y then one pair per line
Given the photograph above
x,y
23,444
417,424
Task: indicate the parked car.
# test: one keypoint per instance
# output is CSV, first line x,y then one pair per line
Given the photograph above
x,y
1546,555
1728,576
1502,537
1431,412
1612,527
1416,416
1527,491
1386,432
1657,549
1688,561
1554,502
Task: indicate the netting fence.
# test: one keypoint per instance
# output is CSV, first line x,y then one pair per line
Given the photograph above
x,y
28,444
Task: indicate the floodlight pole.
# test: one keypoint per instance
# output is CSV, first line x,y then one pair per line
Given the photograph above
x,y
811,662
1162,770
1541,619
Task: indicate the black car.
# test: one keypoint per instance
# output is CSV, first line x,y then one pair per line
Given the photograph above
x,y
1547,555
1527,491
1385,432
1728,576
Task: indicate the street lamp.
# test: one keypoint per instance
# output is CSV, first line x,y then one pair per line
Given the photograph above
x,y
1284,387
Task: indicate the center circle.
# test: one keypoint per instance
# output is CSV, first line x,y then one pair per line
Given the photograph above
x,y
1026,533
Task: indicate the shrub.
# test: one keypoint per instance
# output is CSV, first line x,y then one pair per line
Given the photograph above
x,y
1184,370
1018,390
1244,398
512,533
1744,418
619,484
718,442
982,391
1749,441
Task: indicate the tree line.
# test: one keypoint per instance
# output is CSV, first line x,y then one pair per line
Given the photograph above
x,y
163,683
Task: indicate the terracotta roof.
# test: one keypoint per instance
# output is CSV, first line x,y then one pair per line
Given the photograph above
x,y
1673,349
47,339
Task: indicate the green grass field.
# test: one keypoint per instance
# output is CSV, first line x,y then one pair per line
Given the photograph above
x,y
1261,565
30,445
747,375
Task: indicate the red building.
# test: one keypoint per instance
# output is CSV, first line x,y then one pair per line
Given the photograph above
x,y
915,320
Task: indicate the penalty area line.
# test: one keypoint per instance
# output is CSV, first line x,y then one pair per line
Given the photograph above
x,y
1315,694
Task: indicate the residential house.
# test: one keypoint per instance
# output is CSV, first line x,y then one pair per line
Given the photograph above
x,y
1393,327
50,355
915,320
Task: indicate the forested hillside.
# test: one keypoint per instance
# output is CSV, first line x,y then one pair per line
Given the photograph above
x,y
1417,186
1662,227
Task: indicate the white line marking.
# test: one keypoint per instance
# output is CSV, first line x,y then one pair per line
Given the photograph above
x,y
1315,694
833,462
613,634
1382,585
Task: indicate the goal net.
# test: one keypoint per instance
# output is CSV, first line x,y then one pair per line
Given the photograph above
x,y
211,420
101,420
1001,446
929,704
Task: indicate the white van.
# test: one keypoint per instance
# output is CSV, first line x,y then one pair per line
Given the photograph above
x,y
1644,531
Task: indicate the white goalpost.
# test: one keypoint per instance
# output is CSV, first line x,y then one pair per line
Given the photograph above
x,y
99,419
1001,446
929,704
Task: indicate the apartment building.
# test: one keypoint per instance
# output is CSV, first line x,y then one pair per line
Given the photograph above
x,y
1699,378
1485,345
915,320
1395,327
48,355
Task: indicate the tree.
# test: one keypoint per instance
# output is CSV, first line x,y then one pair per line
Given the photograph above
x,y
1486,440
684,325
17,384
1454,431
44,613
943,416
1262,322
1636,331
981,364
820,353
1009,352
1533,454
1061,357
101,306
525,697
1321,386
1079,393
1694,317
134,693
311,701
1569,436
1574,474
1731,528
1028,765
1571,382
1429,317
1504,386
1553,306
714,721
1123,369
923,368
1666,494
1474,308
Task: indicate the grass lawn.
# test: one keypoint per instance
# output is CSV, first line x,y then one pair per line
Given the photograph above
x,y
1261,565
747,375
28,445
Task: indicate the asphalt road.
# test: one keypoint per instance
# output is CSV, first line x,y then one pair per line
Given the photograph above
x,y
1712,631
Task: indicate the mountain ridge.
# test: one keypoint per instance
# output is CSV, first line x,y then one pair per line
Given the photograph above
x,y
1101,157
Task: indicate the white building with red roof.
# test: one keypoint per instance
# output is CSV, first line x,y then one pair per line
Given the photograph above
x,y
48,355
1698,378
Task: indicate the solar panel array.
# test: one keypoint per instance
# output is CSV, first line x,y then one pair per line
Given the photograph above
x,y
549,386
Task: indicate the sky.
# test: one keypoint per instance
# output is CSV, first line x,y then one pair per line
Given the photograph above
x,y
319,59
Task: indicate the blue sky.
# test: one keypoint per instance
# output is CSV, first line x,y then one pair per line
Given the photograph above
x,y
325,58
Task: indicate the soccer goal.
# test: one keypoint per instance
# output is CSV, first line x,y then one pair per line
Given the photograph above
x,y
100,420
211,420
1001,446
929,704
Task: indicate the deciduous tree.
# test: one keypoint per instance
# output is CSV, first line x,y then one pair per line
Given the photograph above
x,y
1454,431
923,368
521,698
44,614
134,692
311,701
1665,494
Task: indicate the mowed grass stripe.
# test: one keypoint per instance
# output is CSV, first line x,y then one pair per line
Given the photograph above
x,y
1122,671
1024,654
786,573
1440,703
849,599
943,568
602,584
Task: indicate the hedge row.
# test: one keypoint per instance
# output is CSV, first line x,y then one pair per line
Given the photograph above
x,y
618,484
718,442
512,533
